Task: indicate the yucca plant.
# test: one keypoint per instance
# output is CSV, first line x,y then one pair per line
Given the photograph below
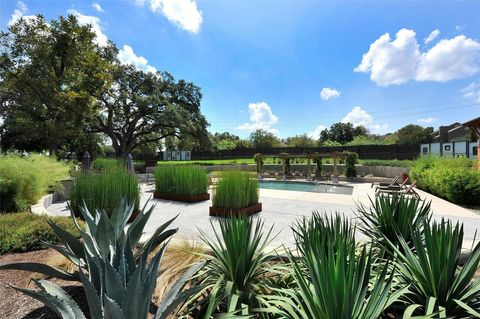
x,y
321,229
391,218
236,190
235,274
439,286
104,190
332,279
117,278
181,180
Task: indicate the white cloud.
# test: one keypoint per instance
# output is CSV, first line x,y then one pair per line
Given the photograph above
x,y
261,117
83,19
472,91
400,61
20,12
329,93
316,132
427,120
97,7
183,13
435,33
358,116
127,56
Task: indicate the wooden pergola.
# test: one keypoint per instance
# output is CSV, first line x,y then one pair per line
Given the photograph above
x,y
309,157
474,126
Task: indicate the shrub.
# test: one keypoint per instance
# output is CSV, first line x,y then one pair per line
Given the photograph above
x,y
26,232
181,180
104,190
107,164
350,161
23,180
454,179
235,190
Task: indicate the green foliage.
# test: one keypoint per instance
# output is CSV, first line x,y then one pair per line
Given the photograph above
x,y
350,161
107,164
264,139
117,278
414,134
104,190
236,190
301,141
394,163
181,180
331,280
23,180
454,179
438,284
234,276
22,232
341,133
391,218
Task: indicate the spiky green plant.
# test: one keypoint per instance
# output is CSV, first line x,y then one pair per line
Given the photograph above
x,y
235,274
107,164
236,190
321,229
390,218
117,278
181,180
332,280
104,190
438,284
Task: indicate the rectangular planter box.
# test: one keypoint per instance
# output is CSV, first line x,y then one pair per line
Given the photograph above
x,y
227,212
182,198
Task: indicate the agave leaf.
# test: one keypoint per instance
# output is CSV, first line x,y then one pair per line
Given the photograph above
x,y
67,253
159,236
68,240
55,298
173,299
105,236
114,287
112,310
43,269
94,304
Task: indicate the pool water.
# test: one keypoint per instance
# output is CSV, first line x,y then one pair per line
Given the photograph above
x,y
307,187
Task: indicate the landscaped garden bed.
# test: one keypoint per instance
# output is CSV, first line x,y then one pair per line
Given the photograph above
x,y
181,183
235,194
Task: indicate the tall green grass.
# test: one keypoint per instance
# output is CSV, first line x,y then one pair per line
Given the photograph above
x,y
104,190
181,180
454,179
107,164
236,190
24,179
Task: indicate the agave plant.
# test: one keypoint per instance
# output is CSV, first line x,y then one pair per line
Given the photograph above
x,y
117,279
233,278
438,285
391,218
332,280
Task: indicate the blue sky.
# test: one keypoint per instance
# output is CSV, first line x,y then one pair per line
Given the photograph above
x,y
265,64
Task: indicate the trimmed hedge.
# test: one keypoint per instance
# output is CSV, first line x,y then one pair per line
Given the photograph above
x,y
454,179
181,180
24,179
25,231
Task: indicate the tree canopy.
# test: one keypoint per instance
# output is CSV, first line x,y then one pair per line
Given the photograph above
x,y
414,134
342,133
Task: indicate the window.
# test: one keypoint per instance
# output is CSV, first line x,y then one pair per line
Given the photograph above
x,y
447,148
475,151
425,150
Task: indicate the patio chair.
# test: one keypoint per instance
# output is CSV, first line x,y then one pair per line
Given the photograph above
x,y
327,176
391,183
400,191
394,186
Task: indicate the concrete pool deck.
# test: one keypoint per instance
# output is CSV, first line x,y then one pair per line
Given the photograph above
x,y
282,208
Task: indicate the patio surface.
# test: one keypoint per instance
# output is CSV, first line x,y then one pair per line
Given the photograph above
x,y
282,208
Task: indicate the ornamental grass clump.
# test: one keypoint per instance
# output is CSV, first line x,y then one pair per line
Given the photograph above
x,y
107,164
236,190
104,190
181,180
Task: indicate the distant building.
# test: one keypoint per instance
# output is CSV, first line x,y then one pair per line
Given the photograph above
x,y
455,140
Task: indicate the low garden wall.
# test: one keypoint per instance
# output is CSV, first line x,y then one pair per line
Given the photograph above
x,y
379,171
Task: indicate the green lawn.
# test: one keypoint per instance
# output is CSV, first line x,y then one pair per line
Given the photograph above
x,y
210,162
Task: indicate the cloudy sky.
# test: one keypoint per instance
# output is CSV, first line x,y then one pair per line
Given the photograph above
x,y
294,67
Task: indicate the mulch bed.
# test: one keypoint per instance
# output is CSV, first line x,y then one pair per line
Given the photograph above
x,y
15,305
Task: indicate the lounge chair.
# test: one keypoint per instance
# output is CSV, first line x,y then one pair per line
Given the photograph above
x,y
394,186
391,183
399,191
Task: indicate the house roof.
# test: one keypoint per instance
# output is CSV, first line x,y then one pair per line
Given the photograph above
x,y
474,122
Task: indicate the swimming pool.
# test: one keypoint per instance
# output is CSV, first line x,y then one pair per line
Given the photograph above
x,y
307,187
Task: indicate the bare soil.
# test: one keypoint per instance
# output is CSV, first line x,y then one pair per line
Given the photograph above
x,y
15,305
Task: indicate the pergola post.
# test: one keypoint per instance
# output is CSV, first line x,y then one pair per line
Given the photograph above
x,y
309,174
284,174
260,168
335,172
